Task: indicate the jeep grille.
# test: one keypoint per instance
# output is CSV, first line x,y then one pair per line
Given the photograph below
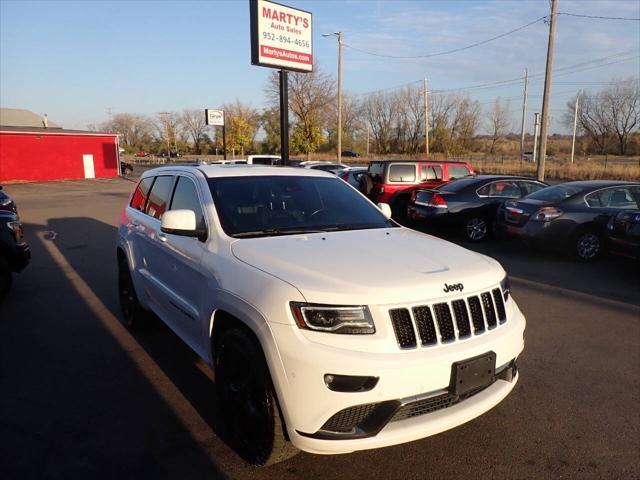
x,y
448,322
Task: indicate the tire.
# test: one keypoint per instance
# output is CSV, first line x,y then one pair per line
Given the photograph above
x,y
134,316
587,245
248,402
5,279
476,229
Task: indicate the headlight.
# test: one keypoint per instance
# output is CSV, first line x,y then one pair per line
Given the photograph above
x,y
5,201
546,214
505,286
333,319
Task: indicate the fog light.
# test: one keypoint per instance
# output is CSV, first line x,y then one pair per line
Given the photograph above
x,y
349,383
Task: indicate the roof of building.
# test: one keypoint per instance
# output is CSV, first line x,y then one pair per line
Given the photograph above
x,y
53,131
18,117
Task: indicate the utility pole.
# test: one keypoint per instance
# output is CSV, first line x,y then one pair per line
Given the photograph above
x,y
426,118
536,123
165,120
524,112
367,139
339,97
575,123
547,90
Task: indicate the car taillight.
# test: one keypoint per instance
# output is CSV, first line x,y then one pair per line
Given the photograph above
x,y
437,201
546,214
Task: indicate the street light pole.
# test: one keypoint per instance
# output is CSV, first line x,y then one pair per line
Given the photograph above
x,y
575,124
339,97
339,132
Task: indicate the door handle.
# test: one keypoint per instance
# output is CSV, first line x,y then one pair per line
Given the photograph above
x,y
162,237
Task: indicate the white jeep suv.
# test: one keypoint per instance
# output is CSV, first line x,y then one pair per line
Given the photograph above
x,y
329,327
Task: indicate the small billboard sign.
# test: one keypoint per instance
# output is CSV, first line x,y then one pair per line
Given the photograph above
x,y
214,117
281,36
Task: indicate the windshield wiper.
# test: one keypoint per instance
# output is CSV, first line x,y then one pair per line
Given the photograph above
x,y
272,232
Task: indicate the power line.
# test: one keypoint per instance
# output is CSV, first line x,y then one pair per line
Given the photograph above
x,y
598,17
455,50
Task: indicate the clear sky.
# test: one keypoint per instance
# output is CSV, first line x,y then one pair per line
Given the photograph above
x,y
75,59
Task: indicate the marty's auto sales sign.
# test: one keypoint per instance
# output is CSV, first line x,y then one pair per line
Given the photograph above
x,y
280,36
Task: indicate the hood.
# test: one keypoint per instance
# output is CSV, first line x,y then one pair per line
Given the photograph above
x,y
381,266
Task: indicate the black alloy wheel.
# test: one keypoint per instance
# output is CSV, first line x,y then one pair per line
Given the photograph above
x,y
133,314
587,245
476,229
248,402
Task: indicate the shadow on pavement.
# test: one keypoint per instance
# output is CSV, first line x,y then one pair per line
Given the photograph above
x,y
78,402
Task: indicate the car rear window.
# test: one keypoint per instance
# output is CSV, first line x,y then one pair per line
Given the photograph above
x,y
458,171
557,193
159,196
458,185
402,173
140,195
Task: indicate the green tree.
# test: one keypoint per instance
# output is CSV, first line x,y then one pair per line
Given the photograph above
x,y
306,138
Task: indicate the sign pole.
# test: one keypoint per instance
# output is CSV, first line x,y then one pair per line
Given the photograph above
x,y
224,140
284,117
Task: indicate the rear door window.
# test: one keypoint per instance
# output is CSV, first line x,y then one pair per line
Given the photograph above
x,y
399,173
458,171
185,197
500,189
430,173
617,197
530,187
139,198
159,196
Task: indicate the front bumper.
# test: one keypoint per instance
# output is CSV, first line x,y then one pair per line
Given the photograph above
x,y
404,377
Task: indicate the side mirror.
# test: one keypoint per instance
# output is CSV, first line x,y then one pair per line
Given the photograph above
x,y
385,209
179,222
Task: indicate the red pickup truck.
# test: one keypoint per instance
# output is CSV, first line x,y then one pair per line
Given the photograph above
x,y
392,181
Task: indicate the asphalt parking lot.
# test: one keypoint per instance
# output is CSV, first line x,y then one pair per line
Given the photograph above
x,y
82,397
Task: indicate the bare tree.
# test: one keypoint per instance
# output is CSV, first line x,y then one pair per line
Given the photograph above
x,y
612,114
195,125
622,100
498,122
381,115
135,130
310,98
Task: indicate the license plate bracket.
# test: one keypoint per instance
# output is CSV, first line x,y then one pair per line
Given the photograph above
x,y
472,373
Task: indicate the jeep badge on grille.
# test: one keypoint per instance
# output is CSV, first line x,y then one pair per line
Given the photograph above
x,y
451,287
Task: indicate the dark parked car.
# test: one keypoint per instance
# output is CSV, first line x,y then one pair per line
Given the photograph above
x,y
468,205
623,234
14,251
352,175
350,153
571,216
7,203
126,168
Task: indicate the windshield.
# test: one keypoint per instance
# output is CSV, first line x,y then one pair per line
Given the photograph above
x,y
557,193
283,205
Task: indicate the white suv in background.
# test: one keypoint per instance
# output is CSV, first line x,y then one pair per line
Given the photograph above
x,y
329,327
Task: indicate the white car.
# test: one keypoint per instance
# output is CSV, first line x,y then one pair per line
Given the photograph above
x,y
329,327
324,166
